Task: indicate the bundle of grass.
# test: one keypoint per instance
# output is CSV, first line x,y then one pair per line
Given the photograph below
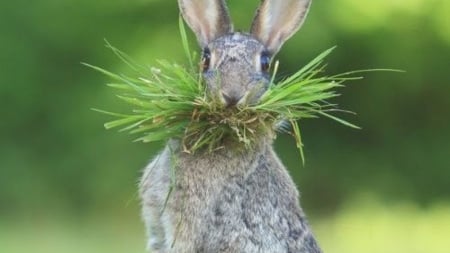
x,y
172,102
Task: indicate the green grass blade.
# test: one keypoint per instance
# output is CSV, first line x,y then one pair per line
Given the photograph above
x,y
343,122
298,139
185,42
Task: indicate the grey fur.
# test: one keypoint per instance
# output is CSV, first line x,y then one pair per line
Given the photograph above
x,y
229,200
234,70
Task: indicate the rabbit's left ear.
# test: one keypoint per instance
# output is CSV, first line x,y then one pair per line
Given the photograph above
x,y
277,20
208,19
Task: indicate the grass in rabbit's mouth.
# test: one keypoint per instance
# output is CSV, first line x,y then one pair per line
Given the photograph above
x,y
171,102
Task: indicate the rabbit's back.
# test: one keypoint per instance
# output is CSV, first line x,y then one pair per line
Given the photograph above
x,y
224,203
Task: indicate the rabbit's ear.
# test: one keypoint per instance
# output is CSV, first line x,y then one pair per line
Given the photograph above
x,y
208,19
277,20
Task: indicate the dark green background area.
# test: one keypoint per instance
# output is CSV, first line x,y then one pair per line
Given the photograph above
x,y
56,157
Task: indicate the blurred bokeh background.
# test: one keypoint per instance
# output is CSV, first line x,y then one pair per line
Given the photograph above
x,y
67,185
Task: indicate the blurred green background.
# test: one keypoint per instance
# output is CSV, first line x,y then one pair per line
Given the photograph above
x,y
67,185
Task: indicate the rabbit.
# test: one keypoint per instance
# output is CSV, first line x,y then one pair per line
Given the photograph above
x,y
229,200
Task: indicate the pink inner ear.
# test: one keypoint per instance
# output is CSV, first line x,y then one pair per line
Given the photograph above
x,y
277,20
208,19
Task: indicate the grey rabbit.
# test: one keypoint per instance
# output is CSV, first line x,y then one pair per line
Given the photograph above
x,y
227,200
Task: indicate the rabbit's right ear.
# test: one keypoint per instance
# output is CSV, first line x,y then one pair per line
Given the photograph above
x,y
208,19
277,20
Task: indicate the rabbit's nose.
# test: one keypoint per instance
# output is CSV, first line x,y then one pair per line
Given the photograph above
x,y
230,100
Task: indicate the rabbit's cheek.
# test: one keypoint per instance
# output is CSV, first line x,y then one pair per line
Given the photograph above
x,y
255,90
208,77
213,83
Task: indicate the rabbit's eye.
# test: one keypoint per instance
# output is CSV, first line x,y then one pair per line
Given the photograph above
x,y
206,58
265,62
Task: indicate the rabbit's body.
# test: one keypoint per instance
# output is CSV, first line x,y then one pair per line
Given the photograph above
x,y
233,199
223,202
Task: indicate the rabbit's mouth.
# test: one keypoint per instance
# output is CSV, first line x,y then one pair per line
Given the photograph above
x,y
234,93
252,96
231,100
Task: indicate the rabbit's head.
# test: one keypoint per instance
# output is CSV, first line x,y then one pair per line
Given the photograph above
x,y
235,65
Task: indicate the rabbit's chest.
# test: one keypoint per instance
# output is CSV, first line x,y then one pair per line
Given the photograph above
x,y
250,210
